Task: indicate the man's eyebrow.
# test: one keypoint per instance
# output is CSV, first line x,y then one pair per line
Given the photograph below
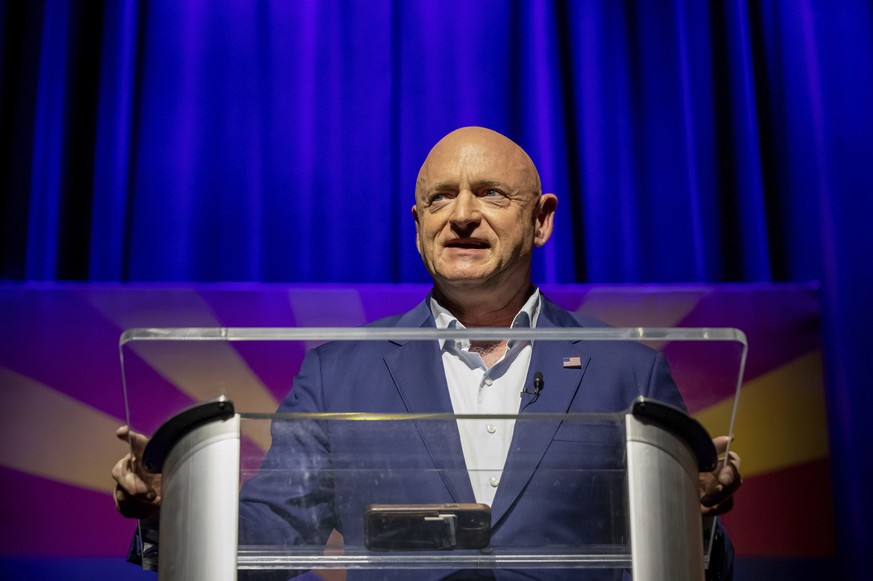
x,y
443,186
478,184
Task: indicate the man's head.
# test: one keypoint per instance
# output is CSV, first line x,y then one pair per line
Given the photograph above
x,y
479,212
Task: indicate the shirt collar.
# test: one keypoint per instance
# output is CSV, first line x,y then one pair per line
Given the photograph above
x,y
525,318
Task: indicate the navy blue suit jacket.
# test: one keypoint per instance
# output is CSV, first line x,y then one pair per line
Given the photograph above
x,y
542,497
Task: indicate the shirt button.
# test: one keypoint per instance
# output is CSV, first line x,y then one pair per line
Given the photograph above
x,y
491,429
494,482
488,381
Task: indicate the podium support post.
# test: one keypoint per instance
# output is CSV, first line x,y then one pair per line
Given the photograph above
x,y
665,522
200,504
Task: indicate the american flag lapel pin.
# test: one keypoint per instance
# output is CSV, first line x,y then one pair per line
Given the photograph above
x,y
572,362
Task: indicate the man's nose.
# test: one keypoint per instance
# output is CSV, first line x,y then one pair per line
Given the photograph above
x,y
465,210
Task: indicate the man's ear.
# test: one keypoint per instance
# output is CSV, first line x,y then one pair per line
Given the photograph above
x,y
417,237
545,218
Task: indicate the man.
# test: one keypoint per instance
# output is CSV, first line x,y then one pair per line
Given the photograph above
x,y
479,213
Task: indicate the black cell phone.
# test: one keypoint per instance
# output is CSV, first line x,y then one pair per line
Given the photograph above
x,y
427,527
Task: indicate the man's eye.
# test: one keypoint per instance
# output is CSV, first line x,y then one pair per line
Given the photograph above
x,y
491,192
437,198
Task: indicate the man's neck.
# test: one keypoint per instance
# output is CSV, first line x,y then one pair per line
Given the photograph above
x,y
483,308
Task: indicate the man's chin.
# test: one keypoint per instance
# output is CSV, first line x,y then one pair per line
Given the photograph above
x,y
482,277
463,279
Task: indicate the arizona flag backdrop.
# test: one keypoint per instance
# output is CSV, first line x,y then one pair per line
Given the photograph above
x,y
61,399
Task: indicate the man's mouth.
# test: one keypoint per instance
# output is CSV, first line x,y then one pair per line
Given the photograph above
x,y
467,243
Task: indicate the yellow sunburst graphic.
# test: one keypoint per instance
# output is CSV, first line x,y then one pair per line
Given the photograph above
x,y
782,419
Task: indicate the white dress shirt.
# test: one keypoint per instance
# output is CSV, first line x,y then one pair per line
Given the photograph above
x,y
477,389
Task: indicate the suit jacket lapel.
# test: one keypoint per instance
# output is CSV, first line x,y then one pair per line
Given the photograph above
x,y
417,370
531,437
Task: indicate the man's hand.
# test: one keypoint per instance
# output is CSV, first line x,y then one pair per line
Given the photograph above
x,y
717,487
137,492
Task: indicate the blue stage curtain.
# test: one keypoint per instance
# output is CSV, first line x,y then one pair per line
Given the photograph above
x,y
687,141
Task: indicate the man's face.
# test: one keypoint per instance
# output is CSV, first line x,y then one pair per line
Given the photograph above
x,y
478,211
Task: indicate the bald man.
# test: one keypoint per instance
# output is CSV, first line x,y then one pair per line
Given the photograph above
x,y
479,214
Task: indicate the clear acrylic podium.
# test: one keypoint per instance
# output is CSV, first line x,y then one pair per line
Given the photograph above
x,y
252,492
